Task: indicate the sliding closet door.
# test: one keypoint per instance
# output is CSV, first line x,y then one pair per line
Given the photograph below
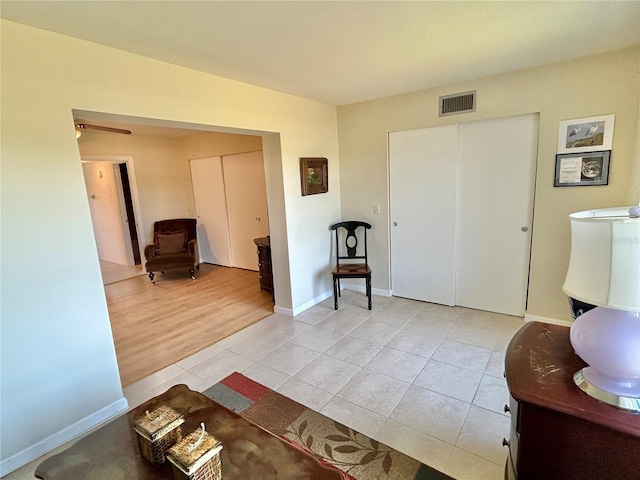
x,y
246,191
496,176
211,210
422,176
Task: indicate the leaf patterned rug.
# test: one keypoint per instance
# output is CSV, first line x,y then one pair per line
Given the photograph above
x,y
355,454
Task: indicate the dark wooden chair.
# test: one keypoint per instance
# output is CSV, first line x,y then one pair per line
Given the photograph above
x,y
351,262
578,307
174,247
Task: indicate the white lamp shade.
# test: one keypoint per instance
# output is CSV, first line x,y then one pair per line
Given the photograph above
x,y
604,267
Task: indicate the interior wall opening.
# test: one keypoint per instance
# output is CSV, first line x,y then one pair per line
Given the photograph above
x,y
161,188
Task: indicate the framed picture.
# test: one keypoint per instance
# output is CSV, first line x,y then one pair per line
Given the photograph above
x,y
314,175
586,134
582,169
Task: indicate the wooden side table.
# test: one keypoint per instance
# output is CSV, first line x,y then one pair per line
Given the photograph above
x,y
264,264
558,431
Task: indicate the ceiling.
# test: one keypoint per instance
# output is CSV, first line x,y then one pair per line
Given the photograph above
x,y
343,52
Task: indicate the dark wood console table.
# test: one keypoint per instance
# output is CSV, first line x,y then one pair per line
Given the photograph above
x,y
558,431
112,451
264,264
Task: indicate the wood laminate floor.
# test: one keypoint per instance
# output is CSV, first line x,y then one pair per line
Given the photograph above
x,y
157,325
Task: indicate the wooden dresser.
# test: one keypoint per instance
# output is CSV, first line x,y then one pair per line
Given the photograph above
x,y
558,431
264,264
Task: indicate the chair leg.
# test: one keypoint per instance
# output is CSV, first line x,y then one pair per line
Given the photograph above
x,y
369,291
193,273
151,275
335,293
339,288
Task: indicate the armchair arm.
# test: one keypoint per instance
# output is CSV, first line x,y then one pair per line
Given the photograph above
x,y
150,251
192,248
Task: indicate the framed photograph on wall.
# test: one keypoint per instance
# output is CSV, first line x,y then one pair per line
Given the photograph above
x,y
314,175
586,134
582,169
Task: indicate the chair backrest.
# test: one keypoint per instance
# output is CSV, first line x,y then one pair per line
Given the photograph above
x,y
578,307
176,225
350,245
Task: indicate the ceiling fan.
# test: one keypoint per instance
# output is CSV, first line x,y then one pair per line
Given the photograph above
x,y
86,126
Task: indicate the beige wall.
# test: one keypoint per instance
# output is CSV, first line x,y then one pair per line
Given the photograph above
x,y
58,365
213,144
162,170
588,87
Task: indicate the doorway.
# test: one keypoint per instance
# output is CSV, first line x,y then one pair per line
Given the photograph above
x,y
113,203
155,166
461,201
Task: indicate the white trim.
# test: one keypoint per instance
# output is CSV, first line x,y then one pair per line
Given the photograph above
x,y
553,321
325,295
311,303
63,436
283,311
362,289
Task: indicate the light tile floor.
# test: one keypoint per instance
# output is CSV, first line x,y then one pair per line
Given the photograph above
x,y
425,379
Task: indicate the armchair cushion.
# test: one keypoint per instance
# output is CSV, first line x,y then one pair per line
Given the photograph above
x,y
168,243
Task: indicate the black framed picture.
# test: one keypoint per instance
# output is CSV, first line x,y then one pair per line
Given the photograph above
x,y
582,169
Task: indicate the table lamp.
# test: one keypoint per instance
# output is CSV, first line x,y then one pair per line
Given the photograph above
x,y
604,270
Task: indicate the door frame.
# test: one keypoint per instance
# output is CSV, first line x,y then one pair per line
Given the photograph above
x,y
133,186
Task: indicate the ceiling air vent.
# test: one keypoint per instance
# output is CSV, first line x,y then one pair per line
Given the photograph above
x,y
458,103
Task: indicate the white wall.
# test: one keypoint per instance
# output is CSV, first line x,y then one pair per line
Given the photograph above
x,y
58,363
587,87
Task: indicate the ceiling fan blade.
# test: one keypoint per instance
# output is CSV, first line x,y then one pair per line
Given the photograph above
x,y
86,126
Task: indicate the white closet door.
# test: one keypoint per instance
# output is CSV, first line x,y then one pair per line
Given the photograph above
x,y
211,210
495,208
422,175
246,192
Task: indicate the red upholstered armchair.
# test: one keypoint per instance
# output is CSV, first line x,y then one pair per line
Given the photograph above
x,y
174,247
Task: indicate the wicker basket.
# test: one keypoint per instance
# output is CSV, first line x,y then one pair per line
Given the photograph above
x,y
196,457
157,432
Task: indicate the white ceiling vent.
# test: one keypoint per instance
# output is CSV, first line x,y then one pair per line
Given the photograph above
x,y
458,103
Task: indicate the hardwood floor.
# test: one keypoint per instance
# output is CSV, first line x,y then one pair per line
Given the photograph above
x,y
157,325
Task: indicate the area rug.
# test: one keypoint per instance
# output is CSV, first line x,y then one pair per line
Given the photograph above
x,y
355,454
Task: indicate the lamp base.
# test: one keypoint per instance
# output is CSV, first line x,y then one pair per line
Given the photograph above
x,y
620,401
609,342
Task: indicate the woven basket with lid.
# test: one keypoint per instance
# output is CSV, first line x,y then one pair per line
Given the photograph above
x,y
157,432
196,457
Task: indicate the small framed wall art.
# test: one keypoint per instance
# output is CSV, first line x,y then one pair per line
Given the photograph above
x,y
582,169
586,134
314,175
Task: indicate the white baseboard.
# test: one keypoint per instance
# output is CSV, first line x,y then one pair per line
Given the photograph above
x,y
283,311
362,289
298,310
63,436
553,321
323,296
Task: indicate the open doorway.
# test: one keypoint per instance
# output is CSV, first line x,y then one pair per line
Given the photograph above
x,y
114,207
162,157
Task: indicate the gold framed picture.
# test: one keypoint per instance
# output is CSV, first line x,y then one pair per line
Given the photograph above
x,y
314,175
